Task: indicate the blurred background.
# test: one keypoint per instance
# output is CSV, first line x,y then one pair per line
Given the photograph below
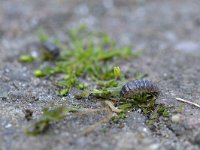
x,y
143,24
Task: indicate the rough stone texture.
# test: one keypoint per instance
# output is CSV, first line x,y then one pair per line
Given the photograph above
x,y
168,33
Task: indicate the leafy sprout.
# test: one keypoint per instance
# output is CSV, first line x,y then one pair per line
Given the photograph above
x,y
116,72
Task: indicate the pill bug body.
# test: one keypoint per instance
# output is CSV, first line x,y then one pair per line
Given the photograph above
x,y
136,87
50,50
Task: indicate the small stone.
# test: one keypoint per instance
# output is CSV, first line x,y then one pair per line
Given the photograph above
x,y
176,118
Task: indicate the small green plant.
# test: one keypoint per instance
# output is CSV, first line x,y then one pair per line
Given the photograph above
x,y
26,58
63,92
87,54
39,73
49,116
180,109
116,72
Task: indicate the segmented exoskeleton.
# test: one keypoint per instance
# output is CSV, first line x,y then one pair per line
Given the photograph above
x,y
136,87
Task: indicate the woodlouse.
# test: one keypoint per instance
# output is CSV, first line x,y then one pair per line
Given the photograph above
x,y
51,50
133,88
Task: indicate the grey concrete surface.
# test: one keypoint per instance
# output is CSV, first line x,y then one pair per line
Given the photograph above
x,y
168,33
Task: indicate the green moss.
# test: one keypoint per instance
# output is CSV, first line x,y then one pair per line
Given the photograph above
x,y
83,94
117,72
86,54
43,37
48,117
180,109
118,117
63,92
82,86
143,102
26,58
107,84
39,73
159,110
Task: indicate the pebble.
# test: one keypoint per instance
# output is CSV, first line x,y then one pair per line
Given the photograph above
x,y
176,118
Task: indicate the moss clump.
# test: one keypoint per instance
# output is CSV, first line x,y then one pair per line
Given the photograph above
x,y
87,55
144,103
